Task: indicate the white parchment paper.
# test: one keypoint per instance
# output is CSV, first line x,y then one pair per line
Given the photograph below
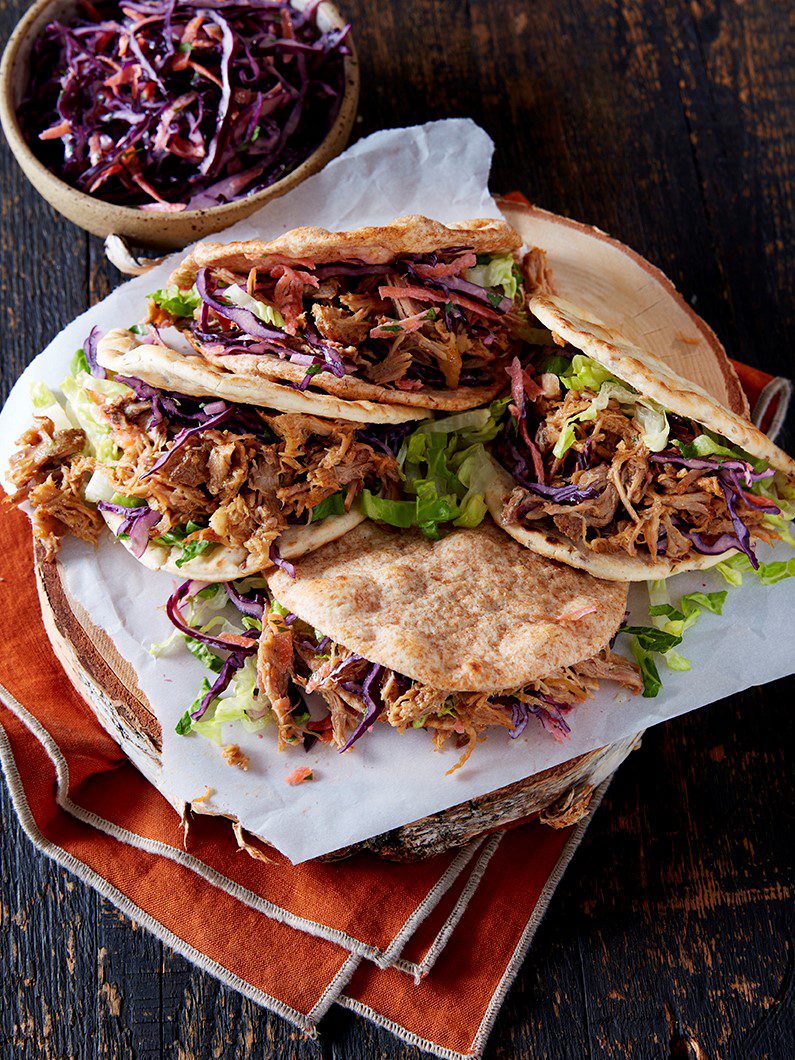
x,y
440,169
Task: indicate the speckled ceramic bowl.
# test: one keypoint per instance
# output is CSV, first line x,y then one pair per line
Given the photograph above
x,y
164,231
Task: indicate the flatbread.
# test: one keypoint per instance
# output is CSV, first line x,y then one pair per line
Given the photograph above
x,y
655,379
378,245
551,543
120,351
223,563
407,235
268,366
471,612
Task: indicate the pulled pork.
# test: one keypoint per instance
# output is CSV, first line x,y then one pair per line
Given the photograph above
x,y
241,488
636,504
355,690
49,471
405,326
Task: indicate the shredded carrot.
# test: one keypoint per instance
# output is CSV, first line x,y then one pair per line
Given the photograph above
x,y
299,775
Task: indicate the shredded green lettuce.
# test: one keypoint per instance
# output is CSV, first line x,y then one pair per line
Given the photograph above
x,y
204,654
268,314
733,569
677,620
438,463
709,444
496,270
653,426
77,389
175,538
98,488
604,392
242,696
670,622
552,363
584,373
176,302
45,403
384,510
648,669
649,418
333,505
190,550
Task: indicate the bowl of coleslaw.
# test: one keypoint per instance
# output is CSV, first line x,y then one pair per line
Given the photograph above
x,y
164,122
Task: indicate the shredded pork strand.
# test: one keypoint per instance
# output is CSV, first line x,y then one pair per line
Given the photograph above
x,y
639,507
336,674
245,489
49,470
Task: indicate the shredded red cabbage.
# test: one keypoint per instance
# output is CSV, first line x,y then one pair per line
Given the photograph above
x,y
727,471
374,708
244,318
499,303
520,717
231,665
716,463
723,543
137,522
276,559
173,610
388,438
182,408
550,715
174,104
90,350
183,436
251,604
343,665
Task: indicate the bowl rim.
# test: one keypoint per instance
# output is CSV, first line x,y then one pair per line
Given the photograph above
x,y
21,149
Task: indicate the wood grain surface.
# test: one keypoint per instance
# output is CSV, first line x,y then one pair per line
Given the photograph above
x,y
672,127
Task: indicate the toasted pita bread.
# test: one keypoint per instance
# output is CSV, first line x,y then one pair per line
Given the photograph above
x,y
655,379
407,235
554,545
470,612
120,351
652,378
269,366
224,564
375,246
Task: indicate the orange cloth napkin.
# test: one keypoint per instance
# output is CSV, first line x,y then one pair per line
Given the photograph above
x,y
427,950
294,938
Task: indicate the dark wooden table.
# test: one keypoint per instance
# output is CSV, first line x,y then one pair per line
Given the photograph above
x,y
671,127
